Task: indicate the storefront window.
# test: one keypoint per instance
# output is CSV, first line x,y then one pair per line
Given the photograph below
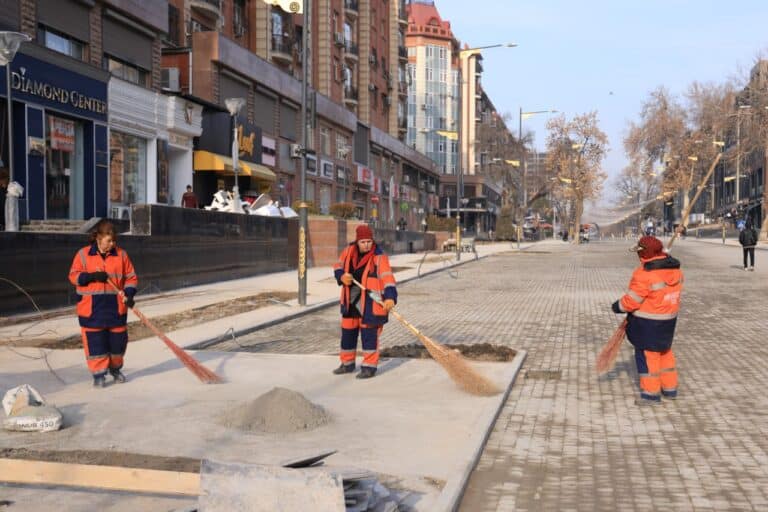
x,y
127,169
64,175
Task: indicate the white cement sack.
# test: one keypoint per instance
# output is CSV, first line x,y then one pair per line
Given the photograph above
x,y
21,396
27,411
43,418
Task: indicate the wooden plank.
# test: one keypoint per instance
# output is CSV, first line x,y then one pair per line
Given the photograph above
x,y
99,477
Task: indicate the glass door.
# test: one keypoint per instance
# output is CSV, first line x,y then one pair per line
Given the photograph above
x,y
64,175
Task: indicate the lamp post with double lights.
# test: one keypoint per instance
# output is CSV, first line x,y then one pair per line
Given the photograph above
x,y
524,197
234,106
9,45
465,55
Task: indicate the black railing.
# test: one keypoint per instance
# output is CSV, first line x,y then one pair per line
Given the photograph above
x,y
282,44
402,51
351,48
350,93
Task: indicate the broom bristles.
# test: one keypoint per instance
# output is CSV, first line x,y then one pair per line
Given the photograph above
x,y
459,369
607,356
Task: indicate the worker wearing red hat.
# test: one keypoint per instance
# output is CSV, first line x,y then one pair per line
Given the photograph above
x,y
652,303
363,261
101,310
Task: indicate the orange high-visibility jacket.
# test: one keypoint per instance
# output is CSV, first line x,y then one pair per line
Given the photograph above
x,y
653,301
377,277
98,304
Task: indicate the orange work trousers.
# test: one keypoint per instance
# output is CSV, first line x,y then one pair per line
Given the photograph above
x,y
369,334
104,348
658,376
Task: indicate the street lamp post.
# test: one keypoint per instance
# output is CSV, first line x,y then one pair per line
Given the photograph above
x,y
465,54
234,105
305,129
9,45
525,166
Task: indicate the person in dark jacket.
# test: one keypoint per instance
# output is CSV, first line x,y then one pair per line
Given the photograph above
x,y
651,304
748,240
363,261
97,270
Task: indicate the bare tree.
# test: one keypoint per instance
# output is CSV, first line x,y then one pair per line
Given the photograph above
x,y
575,151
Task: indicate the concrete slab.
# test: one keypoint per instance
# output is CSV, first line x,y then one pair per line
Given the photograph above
x,y
411,424
228,487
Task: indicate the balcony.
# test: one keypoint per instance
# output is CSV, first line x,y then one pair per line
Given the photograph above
x,y
402,124
282,49
211,8
350,96
402,88
351,9
402,53
351,52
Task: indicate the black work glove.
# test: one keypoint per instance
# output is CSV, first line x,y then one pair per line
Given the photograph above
x,y
99,277
128,301
616,308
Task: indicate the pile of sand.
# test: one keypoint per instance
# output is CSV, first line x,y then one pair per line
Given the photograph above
x,y
278,411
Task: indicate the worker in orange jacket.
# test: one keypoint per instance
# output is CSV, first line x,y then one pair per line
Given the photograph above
x,y
363,261
652,303
103,312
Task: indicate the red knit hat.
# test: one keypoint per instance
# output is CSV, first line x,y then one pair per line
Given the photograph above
x,y
648,247
363,232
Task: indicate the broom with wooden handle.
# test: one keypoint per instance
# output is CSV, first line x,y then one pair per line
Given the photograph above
x,y
457,367
201,372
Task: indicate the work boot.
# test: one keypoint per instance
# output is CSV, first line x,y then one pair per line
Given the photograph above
x,y
117,375
366,372
99,381
344,368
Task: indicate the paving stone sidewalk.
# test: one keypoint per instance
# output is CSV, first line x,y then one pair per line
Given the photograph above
x,y
567,440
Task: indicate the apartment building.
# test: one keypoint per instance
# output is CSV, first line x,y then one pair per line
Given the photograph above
x,y
433,96
232,48
92,133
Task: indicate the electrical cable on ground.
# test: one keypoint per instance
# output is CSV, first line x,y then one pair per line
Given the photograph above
x,y
23,333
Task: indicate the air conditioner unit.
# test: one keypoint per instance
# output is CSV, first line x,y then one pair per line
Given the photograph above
x,y
296,151
372,59
338,38
169,79
387,101
120,213
371,87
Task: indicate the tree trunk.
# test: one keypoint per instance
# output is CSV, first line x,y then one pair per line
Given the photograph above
x,y
763,235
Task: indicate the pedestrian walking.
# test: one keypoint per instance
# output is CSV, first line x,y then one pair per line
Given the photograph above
x,y
102,313
748,240
364,262
402,224
652,303
189,199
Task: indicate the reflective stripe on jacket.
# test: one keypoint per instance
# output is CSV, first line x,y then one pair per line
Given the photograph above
x,y
653,301
98,304
377,277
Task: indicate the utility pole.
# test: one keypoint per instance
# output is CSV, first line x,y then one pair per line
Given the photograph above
x,y
305,129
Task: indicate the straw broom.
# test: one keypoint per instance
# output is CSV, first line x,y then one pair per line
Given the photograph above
x,y
205,375
457,367
607,357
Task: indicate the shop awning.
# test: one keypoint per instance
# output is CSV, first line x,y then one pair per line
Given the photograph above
x,y
205,161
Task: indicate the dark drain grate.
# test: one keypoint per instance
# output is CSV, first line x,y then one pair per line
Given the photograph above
x,y
544,374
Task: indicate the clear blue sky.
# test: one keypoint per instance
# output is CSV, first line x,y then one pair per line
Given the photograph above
x,y
574,54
